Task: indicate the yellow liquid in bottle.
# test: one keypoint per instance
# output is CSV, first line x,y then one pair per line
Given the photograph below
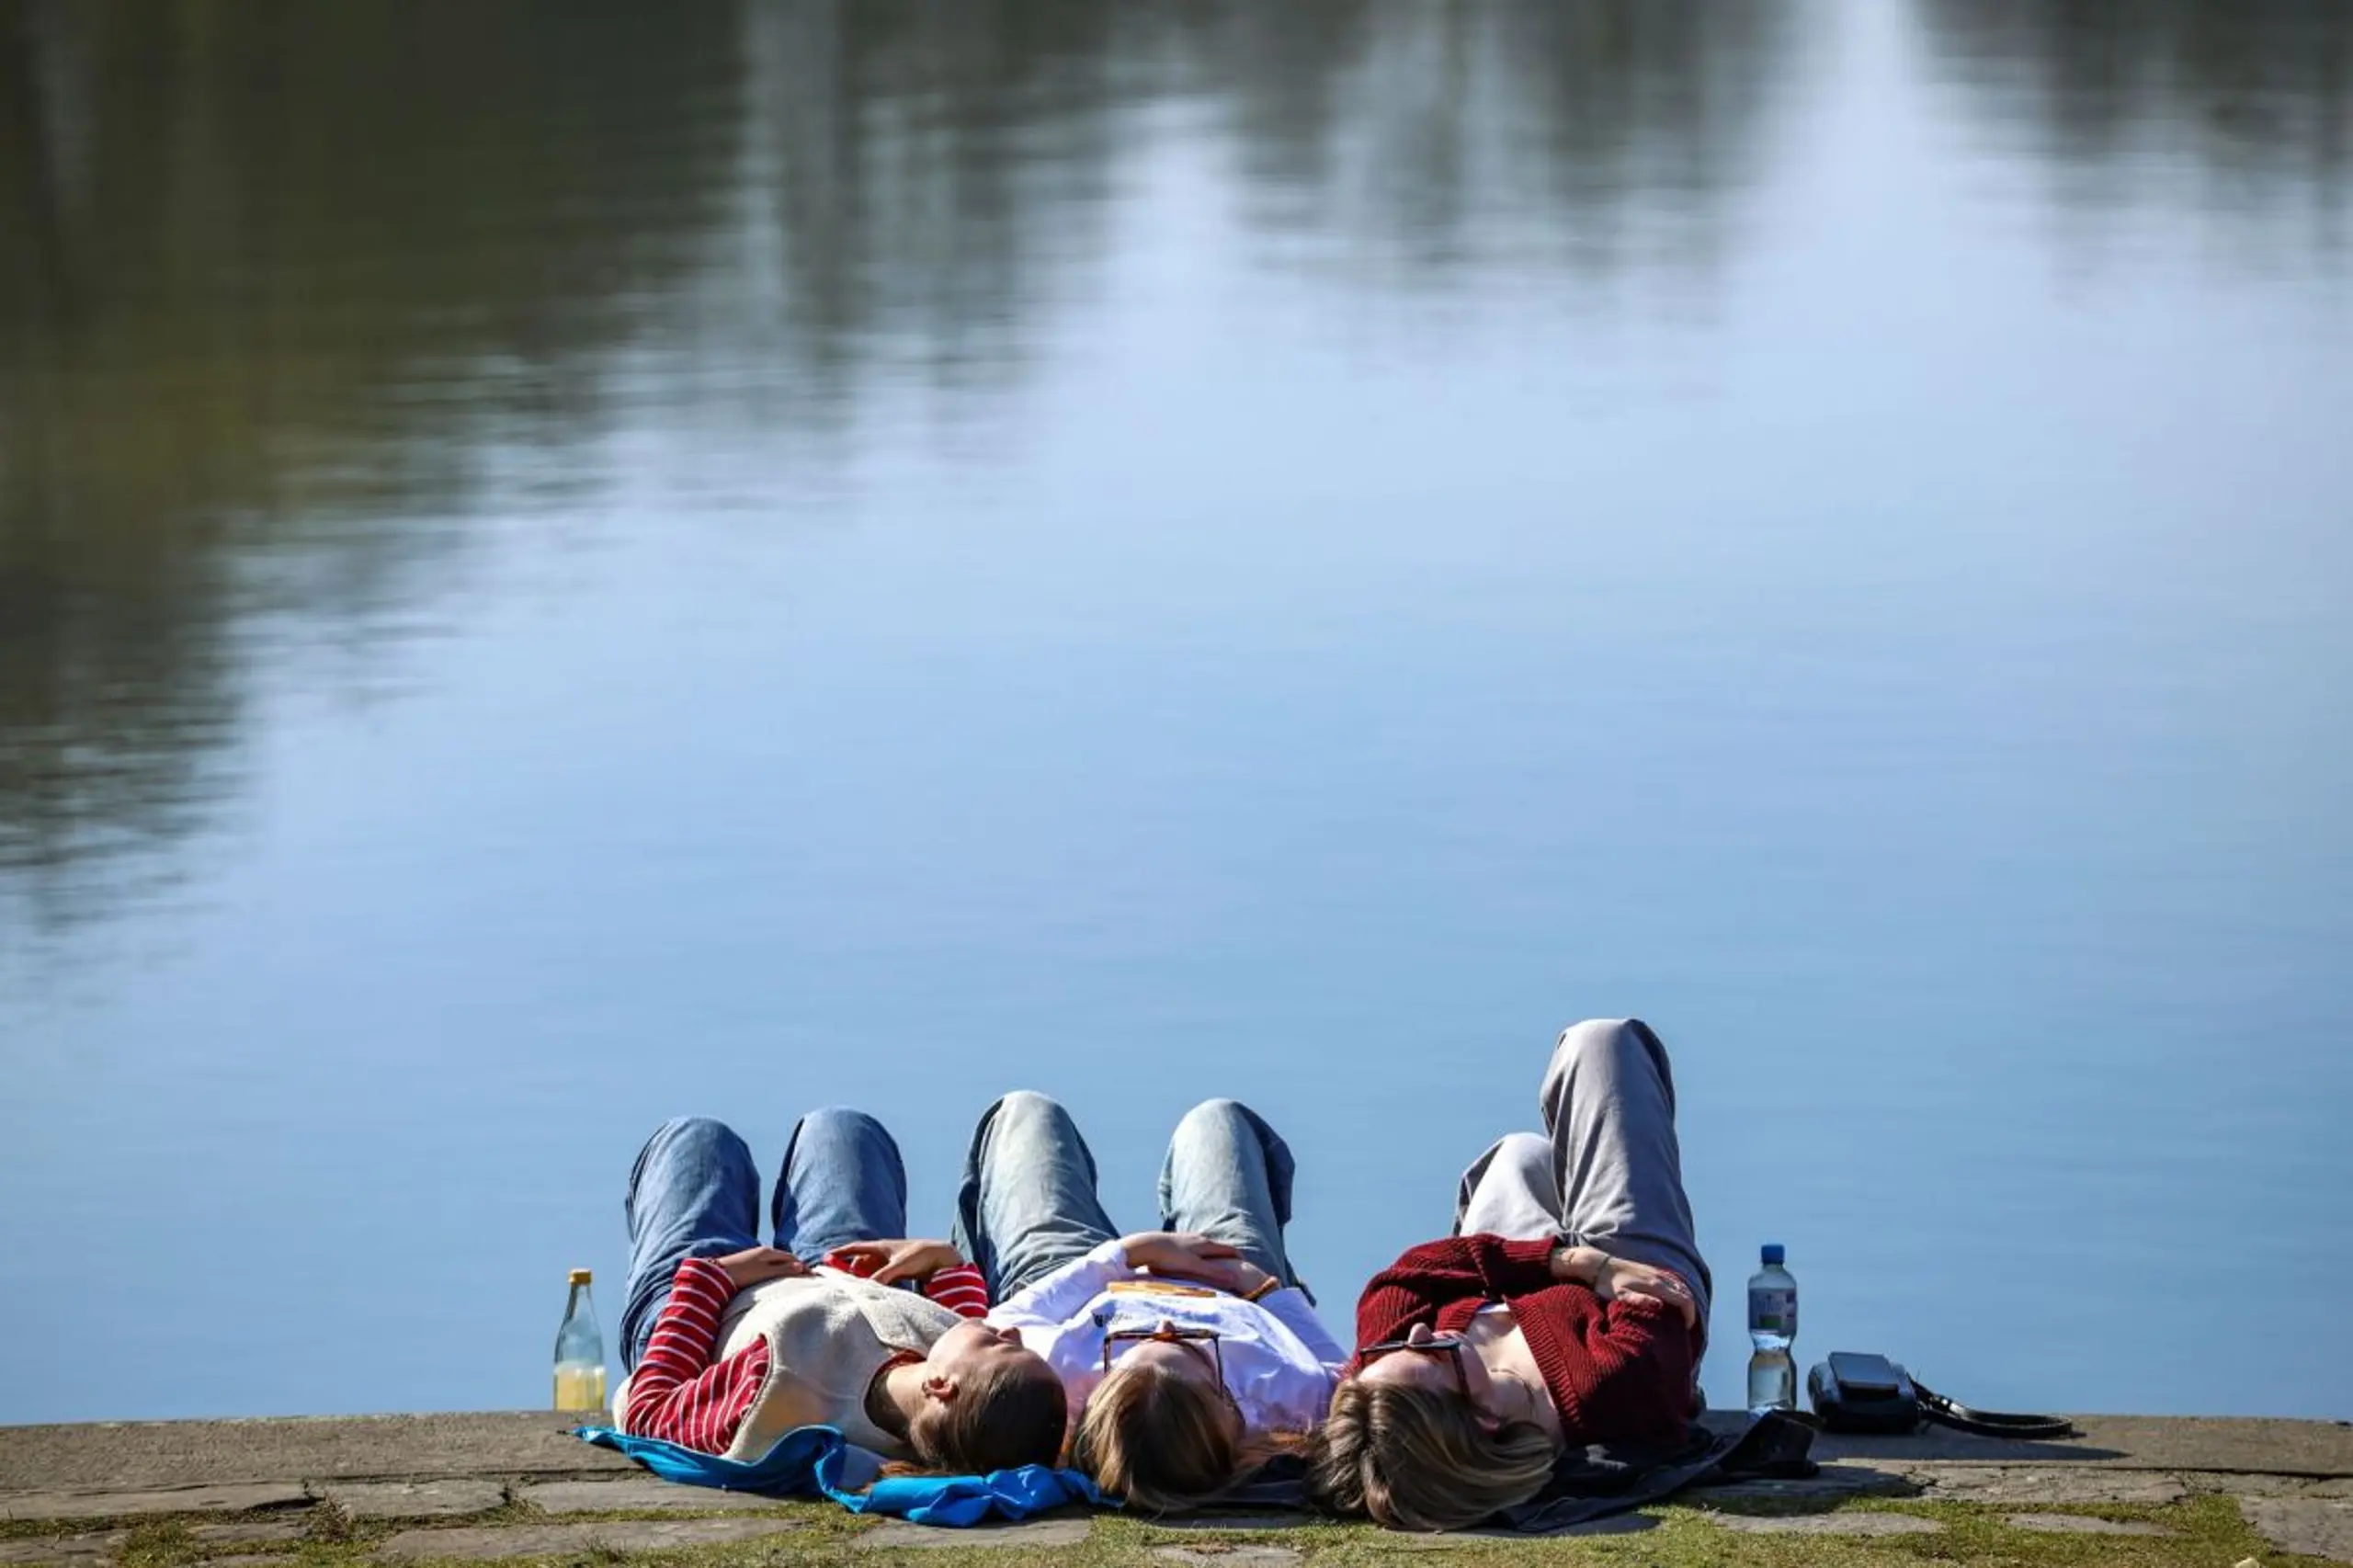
x,y
579,1387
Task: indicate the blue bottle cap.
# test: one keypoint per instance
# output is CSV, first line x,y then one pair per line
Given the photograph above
x,y
1773,1255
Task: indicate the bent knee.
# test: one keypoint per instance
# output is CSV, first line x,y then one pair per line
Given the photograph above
x,y
837,1117
1607,1052
1519,1149
1025,1106
701,1130
1619,1039
1216,1113
698,1140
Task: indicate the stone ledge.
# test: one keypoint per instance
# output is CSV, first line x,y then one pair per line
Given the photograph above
x,y
492,1543
129,1456
522,1446
2315,1526
415,1499
636,1493
893,1534
198,1498
259,1480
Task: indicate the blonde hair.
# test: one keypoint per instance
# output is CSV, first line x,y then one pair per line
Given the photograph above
x,y
1417,1459
1161,1440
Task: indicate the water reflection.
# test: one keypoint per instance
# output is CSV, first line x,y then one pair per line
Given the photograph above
x,y
1413,141
295,300
915,181
286,284
261,311
2242,111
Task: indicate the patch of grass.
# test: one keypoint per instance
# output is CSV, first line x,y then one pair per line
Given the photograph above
x,y
330,1522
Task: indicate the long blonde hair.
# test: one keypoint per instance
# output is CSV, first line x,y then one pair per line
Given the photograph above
x,y
1417,1459
1164,1442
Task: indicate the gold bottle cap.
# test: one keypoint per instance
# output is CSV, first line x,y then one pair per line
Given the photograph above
x,y
580,1277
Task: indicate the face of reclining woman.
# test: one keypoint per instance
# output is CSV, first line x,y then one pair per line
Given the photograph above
x,y
1436,1372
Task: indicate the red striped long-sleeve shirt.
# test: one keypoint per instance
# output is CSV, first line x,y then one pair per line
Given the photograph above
x,y
678,1393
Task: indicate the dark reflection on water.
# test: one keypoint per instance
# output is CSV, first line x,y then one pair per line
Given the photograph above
x,y
1416,142
2244,111
272,272
929,181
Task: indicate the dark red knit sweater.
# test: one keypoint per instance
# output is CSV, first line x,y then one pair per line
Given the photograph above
x,y
1620,1371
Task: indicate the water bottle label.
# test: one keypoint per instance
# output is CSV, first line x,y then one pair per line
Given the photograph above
x,y
1773,1311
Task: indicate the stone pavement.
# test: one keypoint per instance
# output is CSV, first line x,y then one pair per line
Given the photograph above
x,y
493,1486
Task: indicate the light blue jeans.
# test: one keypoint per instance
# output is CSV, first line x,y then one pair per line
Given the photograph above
x,y
1607,1171
695,1192
1028,1203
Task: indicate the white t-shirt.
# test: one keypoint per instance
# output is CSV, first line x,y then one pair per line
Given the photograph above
x,y
1280,1361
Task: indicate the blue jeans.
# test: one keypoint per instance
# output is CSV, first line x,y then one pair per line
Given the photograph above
x,y
1028,1204
695,1192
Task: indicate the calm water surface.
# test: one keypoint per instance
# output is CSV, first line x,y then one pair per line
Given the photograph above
x,y
562,565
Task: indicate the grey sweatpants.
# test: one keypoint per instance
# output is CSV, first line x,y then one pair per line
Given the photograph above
x,y
1606,1172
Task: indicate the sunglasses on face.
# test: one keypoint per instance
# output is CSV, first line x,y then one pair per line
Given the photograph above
x,y
1201,1342
1448,1348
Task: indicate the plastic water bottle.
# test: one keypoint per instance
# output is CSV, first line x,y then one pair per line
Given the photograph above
x,y
1772,1329
579,1352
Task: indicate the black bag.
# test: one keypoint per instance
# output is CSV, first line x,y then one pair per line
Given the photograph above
x,y
1858,1393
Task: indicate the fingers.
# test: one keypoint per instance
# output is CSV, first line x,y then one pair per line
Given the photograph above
x,y
1666,1292
755,1263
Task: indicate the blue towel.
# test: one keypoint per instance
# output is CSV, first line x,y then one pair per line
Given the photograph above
x,y
818,1462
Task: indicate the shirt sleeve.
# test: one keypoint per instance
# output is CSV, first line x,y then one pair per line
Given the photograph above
x,y
1428,1278
677,1393
961,1288
1617,1369
1059,1296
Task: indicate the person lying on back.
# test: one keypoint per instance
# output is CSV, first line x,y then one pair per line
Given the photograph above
x,y
1569,1308
1189,1354
730,1345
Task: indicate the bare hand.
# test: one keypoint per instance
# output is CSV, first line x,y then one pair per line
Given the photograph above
x,y
1181,1255
887,1263
1236,1276
755,1263
1620,1278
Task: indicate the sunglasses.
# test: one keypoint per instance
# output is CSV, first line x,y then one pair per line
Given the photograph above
x,y
1447,1347
1192,1339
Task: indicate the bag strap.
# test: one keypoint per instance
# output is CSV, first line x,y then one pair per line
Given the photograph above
x,y
1989,1423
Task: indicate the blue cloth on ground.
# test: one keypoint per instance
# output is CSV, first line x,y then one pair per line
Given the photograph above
x,y
818,1462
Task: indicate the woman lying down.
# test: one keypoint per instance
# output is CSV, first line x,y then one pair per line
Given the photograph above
x,y
1569,1307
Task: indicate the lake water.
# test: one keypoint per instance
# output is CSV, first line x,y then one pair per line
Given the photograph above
x,y
566,564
